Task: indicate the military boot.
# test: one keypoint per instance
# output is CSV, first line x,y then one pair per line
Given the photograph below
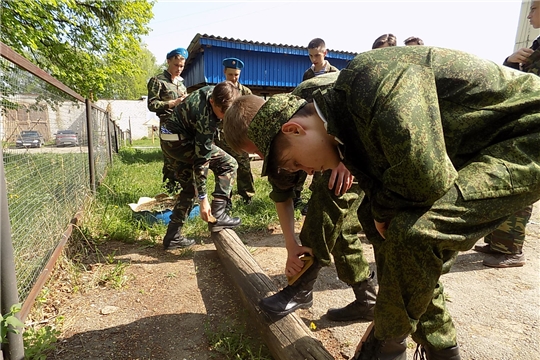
x,y
299,295
173,239
428,353
223,221
362,307
375,349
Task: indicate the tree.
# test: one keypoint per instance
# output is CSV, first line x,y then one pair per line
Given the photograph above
x,y
133,85
83,43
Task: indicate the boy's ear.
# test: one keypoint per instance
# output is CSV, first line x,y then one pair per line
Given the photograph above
x,y
293,128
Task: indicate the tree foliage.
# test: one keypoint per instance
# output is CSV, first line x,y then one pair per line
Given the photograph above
x,y
86,44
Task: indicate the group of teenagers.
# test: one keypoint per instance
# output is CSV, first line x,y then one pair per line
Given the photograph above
x,y
425,149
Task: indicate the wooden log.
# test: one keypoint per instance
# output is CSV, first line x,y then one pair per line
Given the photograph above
x,y
287,337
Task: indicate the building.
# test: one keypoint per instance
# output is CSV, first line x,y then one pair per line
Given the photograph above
x,y
269,68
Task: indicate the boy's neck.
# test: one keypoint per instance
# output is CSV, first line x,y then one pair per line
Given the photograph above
x,y
320,67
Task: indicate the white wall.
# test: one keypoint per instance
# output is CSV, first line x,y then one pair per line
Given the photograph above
x,y
129,114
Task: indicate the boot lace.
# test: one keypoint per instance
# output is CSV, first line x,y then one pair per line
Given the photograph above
x,y
420,353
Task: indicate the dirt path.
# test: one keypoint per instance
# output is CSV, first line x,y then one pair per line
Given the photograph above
x,y
163,310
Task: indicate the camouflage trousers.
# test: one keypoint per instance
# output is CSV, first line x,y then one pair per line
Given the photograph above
x,y
244,180
222,165
510,236
168,172
331,227
418,245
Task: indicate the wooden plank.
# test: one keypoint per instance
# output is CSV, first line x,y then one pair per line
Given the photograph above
x,y
286,337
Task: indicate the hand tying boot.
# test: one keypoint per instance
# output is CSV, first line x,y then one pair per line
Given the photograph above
x,y
223,221
362,307
295,296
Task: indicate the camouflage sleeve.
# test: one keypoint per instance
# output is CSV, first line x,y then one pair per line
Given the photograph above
x,y
155,103
532,64
244,90
283,186
419,170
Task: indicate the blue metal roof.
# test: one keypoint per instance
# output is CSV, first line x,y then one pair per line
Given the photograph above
x,y
266,65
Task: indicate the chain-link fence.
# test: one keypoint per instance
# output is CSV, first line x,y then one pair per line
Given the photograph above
x,y
56,147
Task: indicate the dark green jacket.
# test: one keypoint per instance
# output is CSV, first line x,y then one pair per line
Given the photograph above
x,y
160,90
411,117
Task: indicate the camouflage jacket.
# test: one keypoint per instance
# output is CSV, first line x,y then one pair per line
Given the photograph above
x,y
160,90
309,73
532,65
195,123
283,188
411,117
244,90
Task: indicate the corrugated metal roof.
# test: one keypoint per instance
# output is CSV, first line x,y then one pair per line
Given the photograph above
x,y
266,64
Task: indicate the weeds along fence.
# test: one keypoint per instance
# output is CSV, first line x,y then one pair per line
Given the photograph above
x,y
47,183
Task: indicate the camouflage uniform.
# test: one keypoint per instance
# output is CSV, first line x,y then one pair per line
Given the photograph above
x,y
444,155
194,124
161,90
328,227
244,181
309,73
510,236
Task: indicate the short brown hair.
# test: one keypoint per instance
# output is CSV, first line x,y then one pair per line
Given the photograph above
x,y
317,43
224,94
278,155
389,39
413,39
237,119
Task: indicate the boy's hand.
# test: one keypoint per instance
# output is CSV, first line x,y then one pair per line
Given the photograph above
x,y
520,56
341,180
381,228
294,263
205,212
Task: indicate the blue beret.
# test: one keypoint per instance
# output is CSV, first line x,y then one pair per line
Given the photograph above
x,y
180,51
233,63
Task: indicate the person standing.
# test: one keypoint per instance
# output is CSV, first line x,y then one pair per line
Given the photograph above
x,y
165,91
244,182
504,246
188,138
317,52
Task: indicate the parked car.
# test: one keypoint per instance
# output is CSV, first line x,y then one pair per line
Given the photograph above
x,y
67,137
30,138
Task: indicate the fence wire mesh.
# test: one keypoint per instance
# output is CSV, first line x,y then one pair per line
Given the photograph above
x,y
47,176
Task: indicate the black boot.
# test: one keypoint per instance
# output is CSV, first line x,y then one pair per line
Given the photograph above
x,y
292,297
362,307
224,221
428,353
374,349
173,239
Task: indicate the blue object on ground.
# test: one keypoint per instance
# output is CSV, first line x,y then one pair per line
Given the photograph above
x,y
195,212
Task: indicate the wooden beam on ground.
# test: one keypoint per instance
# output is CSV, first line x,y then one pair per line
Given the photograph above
x,y
286,337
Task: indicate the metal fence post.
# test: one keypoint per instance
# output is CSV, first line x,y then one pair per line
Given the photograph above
x,y
14,349
109,139
91,165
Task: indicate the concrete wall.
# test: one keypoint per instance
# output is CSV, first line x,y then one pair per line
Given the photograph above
x,y
130,114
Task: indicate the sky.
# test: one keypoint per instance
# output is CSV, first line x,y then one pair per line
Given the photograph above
x,y
485,28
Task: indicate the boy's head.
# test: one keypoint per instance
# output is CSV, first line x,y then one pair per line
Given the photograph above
x,y
385,40
176,60
285,131
317,52
413,40
534,14
222,97
232,69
